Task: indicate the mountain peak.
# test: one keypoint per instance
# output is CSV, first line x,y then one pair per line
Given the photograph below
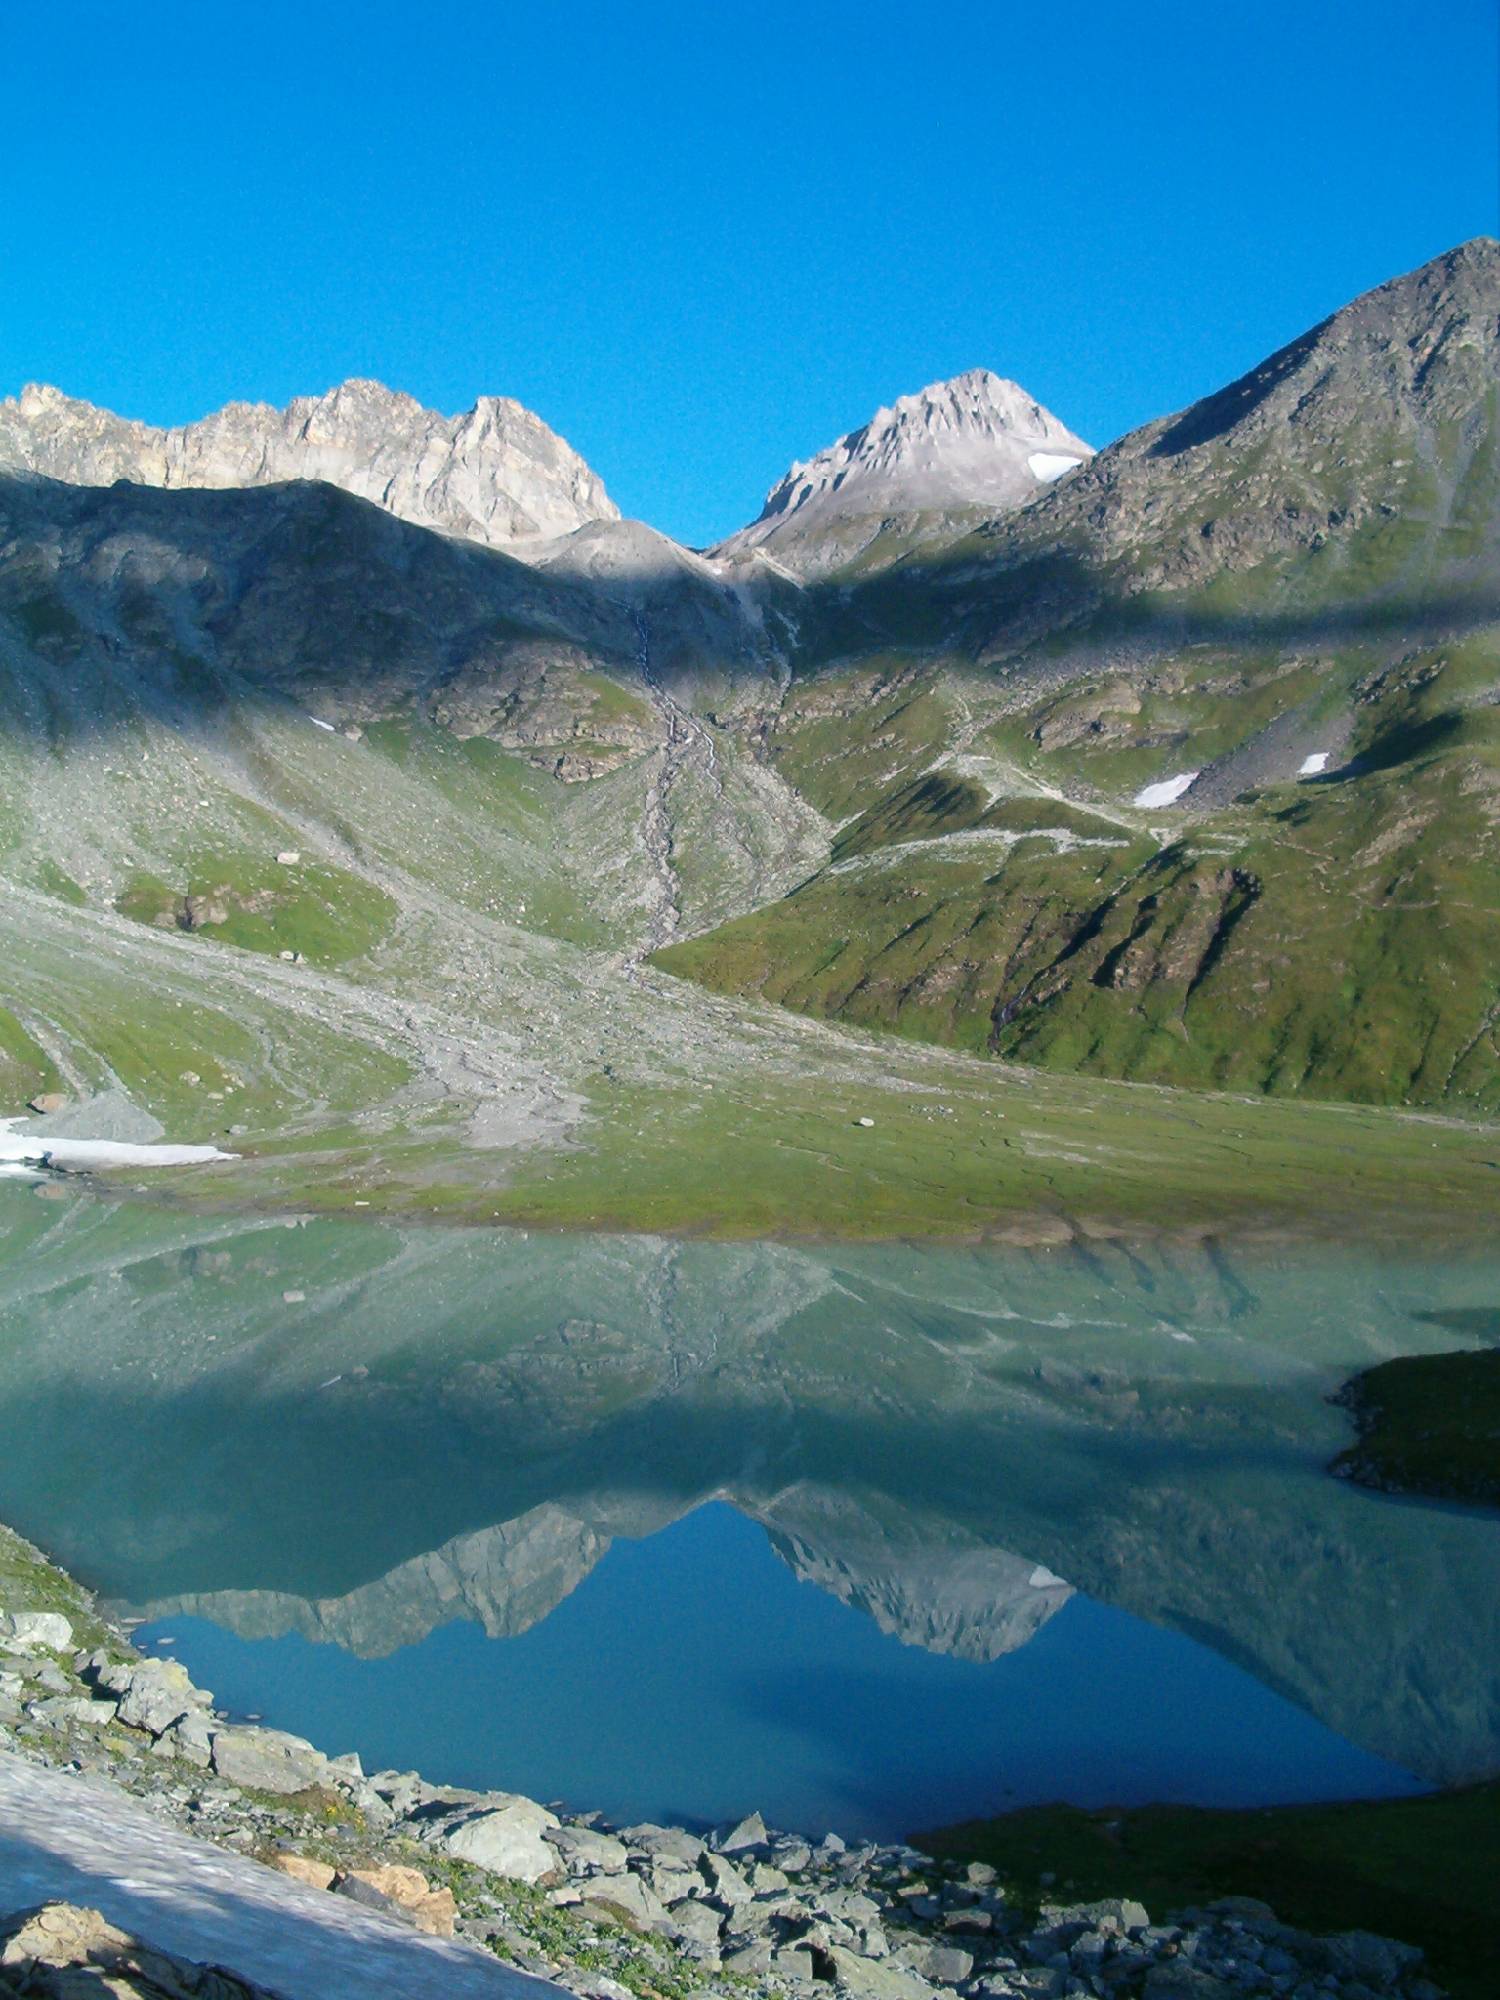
x,y
494,474
975,440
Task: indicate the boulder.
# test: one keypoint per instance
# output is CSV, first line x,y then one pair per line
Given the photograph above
x,y
505,1840
695,1922
57,1711
793,1961
749,1960
46,1102
47,1629
153,1694
745,1833
625,1896
1361,1955
191,1738
58,1951
408,1890
302,1868
943,1964
873,1978
582,1849
725,1882
266,1760
664,1842
1112,1913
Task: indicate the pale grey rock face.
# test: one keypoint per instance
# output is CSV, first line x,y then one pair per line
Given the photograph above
x,y
978,441
496,474
506,1840
267,1759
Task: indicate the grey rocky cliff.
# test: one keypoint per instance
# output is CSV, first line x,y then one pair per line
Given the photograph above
x,y
494,474
977,441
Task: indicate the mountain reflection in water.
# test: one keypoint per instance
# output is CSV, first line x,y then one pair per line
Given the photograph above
x,y
459,1426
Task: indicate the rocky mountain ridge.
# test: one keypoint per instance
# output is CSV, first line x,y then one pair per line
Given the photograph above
x,y
975,442
494,474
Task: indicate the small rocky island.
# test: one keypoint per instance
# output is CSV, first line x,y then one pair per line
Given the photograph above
x,y
106,1753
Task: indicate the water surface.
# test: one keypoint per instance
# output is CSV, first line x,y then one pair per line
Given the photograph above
x,y
866,1538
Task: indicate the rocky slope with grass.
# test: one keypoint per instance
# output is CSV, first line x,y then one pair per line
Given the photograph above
x,y
1188,770
1178,768
658,1911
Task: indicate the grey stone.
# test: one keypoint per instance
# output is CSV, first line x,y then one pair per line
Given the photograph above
x,y
749,1960
154,1694
745,1833
57,1711
962,1922
47,1629
792,1856
1111,1913
857,1974
663,1841
694,1920
505,1840
725,1882
191,1737
266,1760
581,1848
628,1896
850,1906
1378,1961
794,1961
943,1964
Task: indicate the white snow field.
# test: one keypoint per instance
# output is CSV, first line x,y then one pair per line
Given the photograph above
x,y
64,1838
1311,766
71,1156
1167,792
1050,465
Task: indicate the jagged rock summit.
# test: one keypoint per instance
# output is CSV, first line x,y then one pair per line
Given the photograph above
x,y
975,441
495,474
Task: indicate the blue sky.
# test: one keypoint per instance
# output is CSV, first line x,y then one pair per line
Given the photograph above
x,y
702,240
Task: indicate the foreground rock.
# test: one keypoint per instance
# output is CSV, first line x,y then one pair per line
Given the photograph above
x,y
61,1952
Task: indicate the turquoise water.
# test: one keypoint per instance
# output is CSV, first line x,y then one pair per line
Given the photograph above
x,y
868,1539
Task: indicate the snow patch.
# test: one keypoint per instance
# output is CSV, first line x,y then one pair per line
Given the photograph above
x,y
1050,465
1167,792
71,1156
1310,766
318,723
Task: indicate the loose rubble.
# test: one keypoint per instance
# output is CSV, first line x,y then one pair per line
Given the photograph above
x,y
658,1911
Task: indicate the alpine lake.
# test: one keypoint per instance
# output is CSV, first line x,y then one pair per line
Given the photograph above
x,y
868,1537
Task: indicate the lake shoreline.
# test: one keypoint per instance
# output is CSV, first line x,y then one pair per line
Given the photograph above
x,y
649,1910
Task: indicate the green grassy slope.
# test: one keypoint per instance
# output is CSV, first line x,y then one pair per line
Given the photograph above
x,y
1301,567
1428,1424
